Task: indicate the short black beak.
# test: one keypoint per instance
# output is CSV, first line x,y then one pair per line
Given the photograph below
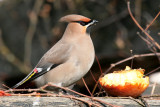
x,y
95,21
91,23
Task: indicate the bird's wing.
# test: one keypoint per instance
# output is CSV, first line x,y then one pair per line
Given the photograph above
x,y
57,55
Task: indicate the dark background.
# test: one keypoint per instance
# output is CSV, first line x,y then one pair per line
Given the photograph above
x,y
28,28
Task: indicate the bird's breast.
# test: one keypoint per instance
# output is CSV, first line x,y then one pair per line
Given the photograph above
x,y
85,54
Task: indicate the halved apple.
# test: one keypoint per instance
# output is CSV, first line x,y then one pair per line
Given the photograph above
x,y
128,82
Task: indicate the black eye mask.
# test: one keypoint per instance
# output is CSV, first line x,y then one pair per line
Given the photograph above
x,y
83,23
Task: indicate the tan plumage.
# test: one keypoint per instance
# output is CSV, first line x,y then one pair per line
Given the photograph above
x,y
71,18
70,58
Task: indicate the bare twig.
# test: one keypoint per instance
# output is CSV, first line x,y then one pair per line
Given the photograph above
x,y
150,45
95,82
144,102
92,98
99,64
152,21
153,71
129,10
33,94
144,39
64,88
92,75
129,58
5,86
149,96
131,51
153,88
100,76
137,101
28,90
87,87
101,92
58,95
95,86
82,100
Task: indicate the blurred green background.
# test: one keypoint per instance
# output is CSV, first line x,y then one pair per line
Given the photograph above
x,y
28,28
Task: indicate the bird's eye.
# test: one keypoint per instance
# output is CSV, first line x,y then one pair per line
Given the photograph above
x,y
82,23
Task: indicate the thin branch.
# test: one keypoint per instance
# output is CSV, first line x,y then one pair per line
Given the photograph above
x,y
92,98
99,64
129,10
144,102
150,45
64,88
95,86
153,71
34,94
129,58
140,103
92,75
28,90
149,96
144,39
87,87
152,21
76,98
58,95
153,88
95,82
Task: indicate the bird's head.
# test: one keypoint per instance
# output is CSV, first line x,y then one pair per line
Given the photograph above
x,y
78,23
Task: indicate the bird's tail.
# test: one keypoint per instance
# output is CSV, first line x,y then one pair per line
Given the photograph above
x,y
31,74
37,72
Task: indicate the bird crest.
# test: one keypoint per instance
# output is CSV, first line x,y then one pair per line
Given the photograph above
x,y
74,18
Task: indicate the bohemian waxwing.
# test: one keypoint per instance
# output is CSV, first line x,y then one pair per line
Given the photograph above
x,y
70,58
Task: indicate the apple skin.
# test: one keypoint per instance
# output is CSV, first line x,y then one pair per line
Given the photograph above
x,y
124,83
